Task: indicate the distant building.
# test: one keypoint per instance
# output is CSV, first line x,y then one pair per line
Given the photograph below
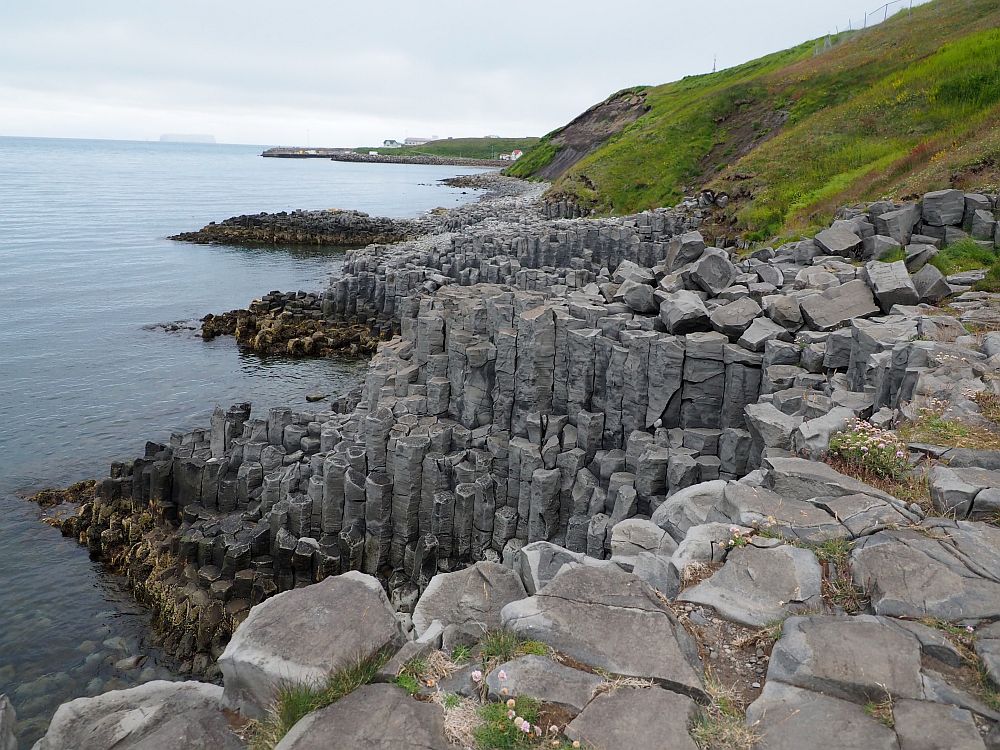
x,y
492,136
373,153
516,154
416,141
504,157
391,144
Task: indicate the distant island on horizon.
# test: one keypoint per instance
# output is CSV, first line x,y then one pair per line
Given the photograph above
x,y
187,138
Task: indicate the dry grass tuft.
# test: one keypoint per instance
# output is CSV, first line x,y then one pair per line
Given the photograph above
x,y
461,717
722,724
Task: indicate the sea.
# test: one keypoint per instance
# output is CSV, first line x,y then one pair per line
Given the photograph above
x,y
89,373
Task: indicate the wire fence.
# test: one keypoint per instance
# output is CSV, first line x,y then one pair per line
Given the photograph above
x,y
880,14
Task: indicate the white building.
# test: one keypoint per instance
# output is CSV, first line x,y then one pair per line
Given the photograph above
x,y
391,144
416,141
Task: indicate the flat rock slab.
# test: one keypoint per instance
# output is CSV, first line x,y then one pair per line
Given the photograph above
x,y
949,570
158,714
803,479
539,562
610,620
373,717
853,658
548,681
862,514
791,718
635,718
304,636
834,307
468,600
921,725
796,519
759,586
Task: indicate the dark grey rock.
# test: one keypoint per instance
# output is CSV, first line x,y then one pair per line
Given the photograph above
x,y
634,718
373,717
548,681
613,621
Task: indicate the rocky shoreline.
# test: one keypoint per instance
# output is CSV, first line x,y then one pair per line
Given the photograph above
x,y
607,438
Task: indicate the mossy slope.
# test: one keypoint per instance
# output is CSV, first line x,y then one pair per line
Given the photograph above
x,y
909,105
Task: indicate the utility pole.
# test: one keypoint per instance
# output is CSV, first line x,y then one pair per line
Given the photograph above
x,y
715,60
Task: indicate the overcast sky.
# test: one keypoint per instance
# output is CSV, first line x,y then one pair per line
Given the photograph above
x,y
354,73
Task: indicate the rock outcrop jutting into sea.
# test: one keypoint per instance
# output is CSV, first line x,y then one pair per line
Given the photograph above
x,y
606,437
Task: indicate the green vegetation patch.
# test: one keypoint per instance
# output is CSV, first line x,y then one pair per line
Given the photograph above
x,y
964,255
906,106
294,700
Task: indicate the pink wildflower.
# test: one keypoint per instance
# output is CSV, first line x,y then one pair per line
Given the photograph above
x,y
477,676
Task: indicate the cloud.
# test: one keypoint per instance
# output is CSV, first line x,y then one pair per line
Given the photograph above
x,y
352,73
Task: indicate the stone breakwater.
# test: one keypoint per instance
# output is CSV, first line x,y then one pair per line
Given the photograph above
x,y
441,161
607,436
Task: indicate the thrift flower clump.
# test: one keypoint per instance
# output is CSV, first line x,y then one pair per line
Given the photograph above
x,y
871,449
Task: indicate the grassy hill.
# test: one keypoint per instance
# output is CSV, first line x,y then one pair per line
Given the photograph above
x,y
468,148
906,106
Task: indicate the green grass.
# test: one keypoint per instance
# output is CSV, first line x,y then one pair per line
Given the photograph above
x,y
906,106
964,255
294,700
896,254
465,148
461,654
409,683
722,724
503,645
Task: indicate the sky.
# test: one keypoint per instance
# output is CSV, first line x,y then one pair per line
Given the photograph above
x,y
347,73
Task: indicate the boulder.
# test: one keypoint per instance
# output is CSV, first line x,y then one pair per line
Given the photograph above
x,y
612,621
689,507
784,310
922,725
684,312
548,681
769,427
891,284
683,249
745,505
539,562
373,717
898,224
157,714
468,601
856,658
304,636
931,285
635,718
918,256
733,319
638,296
943,208
761,583
878,246
946,570
983,225
760,331
836,307
790,718
812,437
839,241
713,272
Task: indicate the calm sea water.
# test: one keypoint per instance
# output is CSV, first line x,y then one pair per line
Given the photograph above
x,y
85,377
